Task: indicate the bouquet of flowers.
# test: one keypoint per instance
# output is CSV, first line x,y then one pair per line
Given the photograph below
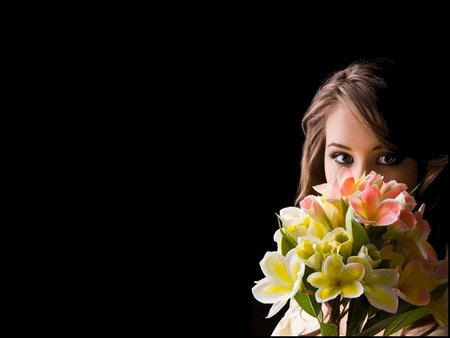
x,y
361,248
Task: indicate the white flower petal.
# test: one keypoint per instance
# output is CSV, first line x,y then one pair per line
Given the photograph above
x,y
294,265
276,307
277,238
296,287
292,216
274,267
268,292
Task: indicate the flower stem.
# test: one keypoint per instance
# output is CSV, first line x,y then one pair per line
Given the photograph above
x,y
335,312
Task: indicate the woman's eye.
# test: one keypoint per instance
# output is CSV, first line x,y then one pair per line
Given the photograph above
x,y
342,158
388,159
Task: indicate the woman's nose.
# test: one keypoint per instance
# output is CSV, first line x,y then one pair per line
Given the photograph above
x,y
361,167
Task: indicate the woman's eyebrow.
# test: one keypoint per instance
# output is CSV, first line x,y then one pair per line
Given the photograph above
x,y
334,144
338,145
380,146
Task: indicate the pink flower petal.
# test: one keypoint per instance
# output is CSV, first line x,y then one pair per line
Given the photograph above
x,y
335,193
364,220
322,188
415,295
429,258
386,219
357,206
370,200
422,226
348,186
345,174
392,189
440,273
306,203
388,212
406,219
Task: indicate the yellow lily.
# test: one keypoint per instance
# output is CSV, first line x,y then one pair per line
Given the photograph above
x,y
337,278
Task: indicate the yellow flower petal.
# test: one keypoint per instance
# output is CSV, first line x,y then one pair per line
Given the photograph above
x,y
273,266
382,297
352,272
295,267
323,295
320,280
305,247
387,277
352,290
266,292
317,229
332,266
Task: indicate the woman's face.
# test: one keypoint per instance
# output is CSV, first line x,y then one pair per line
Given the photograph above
x,y
350,144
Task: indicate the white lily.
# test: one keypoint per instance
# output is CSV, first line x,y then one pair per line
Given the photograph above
x,y
283,276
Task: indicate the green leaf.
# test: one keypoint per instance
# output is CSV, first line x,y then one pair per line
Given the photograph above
x,y
382,319
308,271
404,320
414,190
287,243
308,303
374,329
356,231
328,329
280,223
285,246
344,206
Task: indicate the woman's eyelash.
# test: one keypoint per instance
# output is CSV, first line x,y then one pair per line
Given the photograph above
x,y
342,158
395,158
389,158
333,155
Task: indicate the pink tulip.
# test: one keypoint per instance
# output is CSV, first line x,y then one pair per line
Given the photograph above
x,y
373,179
313,208
370,208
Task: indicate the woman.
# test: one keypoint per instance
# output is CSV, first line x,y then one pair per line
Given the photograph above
x,y
365,117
